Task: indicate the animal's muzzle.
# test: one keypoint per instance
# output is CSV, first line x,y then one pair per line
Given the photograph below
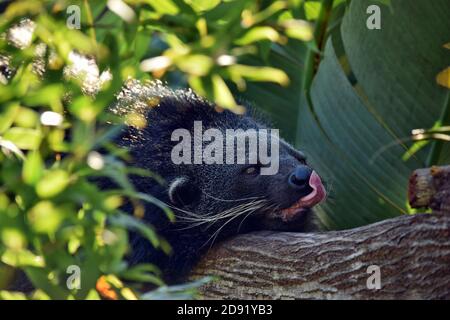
x,y
307,184
299,180
309,190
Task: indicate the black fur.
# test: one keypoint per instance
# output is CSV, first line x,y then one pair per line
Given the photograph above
x,y
201,189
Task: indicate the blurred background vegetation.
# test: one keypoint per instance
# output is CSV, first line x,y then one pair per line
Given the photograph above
x,y
346,95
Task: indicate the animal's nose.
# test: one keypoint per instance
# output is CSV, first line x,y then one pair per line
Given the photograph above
x,y
299,178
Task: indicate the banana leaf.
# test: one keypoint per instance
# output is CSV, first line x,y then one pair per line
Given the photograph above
x,y
371,89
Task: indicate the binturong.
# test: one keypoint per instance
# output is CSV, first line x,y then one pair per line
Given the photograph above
x,y
224,174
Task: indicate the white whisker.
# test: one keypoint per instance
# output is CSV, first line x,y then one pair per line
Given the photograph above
x,y
230,200
252,207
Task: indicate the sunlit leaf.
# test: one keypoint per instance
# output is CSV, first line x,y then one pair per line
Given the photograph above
x,y
258,34
443,78
8,115
32,168
298,29
13,238
222,94
44,217
12,295
164,7
24,138
196,64
84,108
21,258
135,224
203,5
9,147
52,183
312,9
259,73
122,10
26,118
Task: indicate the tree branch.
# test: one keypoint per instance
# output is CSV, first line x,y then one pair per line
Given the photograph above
x,y
413,253
430,188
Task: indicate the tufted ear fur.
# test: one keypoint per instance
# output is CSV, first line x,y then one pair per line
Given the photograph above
x,y
184,192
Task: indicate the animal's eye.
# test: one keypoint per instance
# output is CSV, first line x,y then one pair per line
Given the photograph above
x,y
252,170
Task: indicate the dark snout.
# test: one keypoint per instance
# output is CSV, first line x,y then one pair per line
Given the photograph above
x,y
299,180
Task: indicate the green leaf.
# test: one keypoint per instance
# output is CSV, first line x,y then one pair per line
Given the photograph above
x,y
10,295
40,278
24,138
85,109
45,218
21,258
399,82
259,74
222,95
257,34
312,9
32,168
203,5
364,188
52,183
195,64
299,29
8,115
49,95
182,292
164,7
366,178
135,224
144,273
151,199
13,237
26,118
370,91
8,146
278,101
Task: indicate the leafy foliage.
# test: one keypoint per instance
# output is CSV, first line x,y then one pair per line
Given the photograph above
x,y
53,125
348,96
355,112
373,88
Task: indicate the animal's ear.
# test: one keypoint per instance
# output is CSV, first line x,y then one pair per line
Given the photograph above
x,y
183,191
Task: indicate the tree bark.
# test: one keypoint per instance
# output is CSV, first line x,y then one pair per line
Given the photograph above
x,y
430,188
412,252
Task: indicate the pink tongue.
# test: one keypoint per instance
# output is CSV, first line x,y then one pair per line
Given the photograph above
x,y
316,196
318,193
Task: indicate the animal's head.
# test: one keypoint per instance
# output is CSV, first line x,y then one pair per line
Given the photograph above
x,y
225,173
238,197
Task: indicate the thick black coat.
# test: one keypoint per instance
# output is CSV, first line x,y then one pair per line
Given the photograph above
x,y
152,112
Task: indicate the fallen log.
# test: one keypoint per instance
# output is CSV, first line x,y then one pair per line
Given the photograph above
x,y
412,253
